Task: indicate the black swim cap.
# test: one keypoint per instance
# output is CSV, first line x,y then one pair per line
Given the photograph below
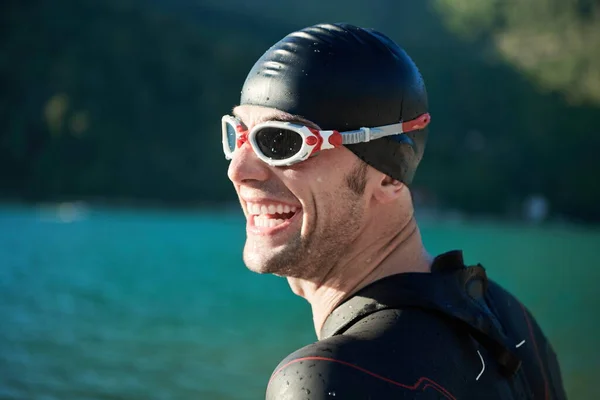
x,y
342,77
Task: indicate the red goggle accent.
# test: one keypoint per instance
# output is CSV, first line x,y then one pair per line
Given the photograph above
x,y
318,143
335,139
242,137
312,140
417,123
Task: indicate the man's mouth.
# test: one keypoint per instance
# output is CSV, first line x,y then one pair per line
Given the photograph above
x,y
270,215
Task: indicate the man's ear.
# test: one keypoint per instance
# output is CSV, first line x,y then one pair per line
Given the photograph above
x,y
388,190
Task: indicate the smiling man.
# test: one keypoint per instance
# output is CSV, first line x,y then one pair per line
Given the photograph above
x,y
331,127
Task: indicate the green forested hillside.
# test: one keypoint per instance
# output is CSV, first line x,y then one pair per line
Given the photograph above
x,y
122,99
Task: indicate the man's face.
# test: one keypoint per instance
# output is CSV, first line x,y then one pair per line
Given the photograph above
x,y
302,218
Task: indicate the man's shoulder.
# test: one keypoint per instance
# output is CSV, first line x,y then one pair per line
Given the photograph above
x,y
411,363
305,371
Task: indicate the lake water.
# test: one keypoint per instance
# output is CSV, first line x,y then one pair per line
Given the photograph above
x,y
113,304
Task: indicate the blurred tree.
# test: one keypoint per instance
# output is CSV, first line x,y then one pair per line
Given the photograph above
x,y
557,42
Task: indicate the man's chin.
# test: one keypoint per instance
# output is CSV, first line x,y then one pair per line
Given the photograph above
x,y
266,258
259,269
277,265
257,263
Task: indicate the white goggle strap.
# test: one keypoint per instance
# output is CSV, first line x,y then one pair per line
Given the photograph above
x,y
367,134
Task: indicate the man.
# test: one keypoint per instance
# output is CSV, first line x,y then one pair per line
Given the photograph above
x,y
331,127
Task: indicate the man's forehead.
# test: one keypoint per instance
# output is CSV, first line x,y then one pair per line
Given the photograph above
x,y
251,115
255,114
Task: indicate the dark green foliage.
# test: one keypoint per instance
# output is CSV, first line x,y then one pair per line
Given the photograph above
x,y
122,99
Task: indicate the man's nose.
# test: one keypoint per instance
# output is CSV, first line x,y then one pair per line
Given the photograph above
x,y
246,166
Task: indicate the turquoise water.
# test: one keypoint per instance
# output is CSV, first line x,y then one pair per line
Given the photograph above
x,y
157,305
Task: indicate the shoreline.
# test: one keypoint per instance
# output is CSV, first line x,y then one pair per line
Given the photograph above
x,y
72,209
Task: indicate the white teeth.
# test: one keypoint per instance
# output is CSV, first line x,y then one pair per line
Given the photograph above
x,y
257,209
263,222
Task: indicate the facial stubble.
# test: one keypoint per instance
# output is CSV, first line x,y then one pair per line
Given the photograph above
x,y
310,256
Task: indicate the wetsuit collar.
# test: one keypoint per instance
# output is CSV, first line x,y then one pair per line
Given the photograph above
x,y
367,300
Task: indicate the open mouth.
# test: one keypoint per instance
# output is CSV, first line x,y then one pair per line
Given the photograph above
x,y
273,215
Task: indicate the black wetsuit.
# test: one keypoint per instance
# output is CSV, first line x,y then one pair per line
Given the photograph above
x,y
451,334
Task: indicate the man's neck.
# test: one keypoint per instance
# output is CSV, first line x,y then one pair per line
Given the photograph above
x,y
404,252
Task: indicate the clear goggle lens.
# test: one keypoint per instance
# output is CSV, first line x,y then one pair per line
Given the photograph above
x,y
231,136
273,143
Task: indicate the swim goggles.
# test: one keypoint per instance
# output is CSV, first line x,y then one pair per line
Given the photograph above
x,y
286,143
